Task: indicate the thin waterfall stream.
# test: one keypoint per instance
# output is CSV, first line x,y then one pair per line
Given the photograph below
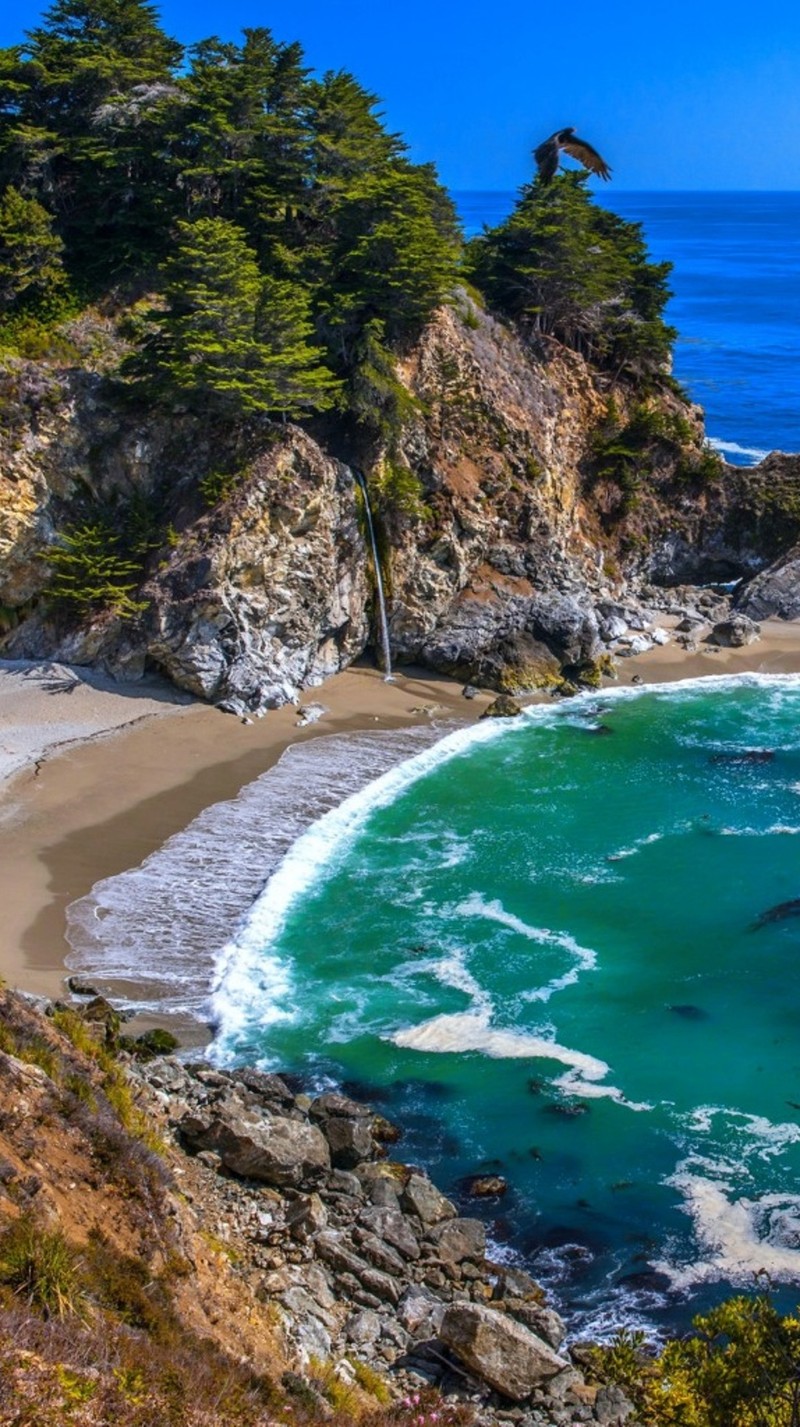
x,y
387,655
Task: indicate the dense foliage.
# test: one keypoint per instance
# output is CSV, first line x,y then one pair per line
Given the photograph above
x,y
740,1368
293,245
566,267
293,240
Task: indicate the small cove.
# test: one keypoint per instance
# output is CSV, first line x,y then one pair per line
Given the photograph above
x,y
533,946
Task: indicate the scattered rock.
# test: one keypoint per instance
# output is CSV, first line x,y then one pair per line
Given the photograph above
x,y
422,1198
502,707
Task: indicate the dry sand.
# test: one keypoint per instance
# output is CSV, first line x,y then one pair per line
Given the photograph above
x,y
94,776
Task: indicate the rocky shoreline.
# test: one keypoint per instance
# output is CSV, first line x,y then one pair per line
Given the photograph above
x,y
360,1255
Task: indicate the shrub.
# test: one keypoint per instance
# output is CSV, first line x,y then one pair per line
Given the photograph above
x,y
42,1268
90,572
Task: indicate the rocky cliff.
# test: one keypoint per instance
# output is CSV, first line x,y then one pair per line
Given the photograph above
x,y
545,500
188,1246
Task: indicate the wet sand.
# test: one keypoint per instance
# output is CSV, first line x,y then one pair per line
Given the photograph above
x,y
100,807
114,794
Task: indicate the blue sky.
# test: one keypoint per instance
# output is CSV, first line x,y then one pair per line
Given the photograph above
x,y
703,94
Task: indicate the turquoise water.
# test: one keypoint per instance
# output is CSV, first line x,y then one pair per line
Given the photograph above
x,y
534,945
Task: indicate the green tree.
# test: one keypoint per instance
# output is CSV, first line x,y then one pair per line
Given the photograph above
x,y
568,268
394,259
83,123
228,339
30,252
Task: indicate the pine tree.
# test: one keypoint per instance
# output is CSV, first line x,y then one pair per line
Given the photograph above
x,y
30,252
95,82
566,267
228,340
394,258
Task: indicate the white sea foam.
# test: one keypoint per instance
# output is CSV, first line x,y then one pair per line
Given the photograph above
x,y
756,1136
732,448
775,830
494,911
737,1238
473,1031
154,932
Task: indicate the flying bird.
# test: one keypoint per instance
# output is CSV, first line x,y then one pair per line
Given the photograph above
x,y
547,155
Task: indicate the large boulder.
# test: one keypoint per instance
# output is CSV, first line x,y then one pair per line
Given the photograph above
x,y
460,1239
501,1352
735,632
422,1198
258,1145
347,1126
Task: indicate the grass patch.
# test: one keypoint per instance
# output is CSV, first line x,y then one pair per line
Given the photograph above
x,y
42,1268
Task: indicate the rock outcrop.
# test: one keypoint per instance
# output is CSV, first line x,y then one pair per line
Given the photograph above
x,y
516,561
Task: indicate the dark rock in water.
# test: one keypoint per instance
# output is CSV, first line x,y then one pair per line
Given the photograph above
x,y
601,730
567,1112
649,1280
503,707
81,988
535,1086
747,755
487,1186
780,913
690,1013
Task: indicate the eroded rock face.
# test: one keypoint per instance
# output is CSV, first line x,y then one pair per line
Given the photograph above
x,y
502,582
775,593
502,1352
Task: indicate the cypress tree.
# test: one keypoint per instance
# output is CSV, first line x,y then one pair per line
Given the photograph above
x,y
30,252
227,339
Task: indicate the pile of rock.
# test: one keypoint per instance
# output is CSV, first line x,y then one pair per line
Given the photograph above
x,y
362,1256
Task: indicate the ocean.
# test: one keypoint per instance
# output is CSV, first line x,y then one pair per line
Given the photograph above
x,y
543,946
736,303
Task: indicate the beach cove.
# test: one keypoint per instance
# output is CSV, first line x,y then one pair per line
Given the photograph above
x,y
80,817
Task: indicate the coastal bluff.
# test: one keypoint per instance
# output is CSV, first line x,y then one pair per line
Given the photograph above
x,y
231,1218
553,514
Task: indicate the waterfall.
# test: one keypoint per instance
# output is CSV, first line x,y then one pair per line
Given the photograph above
x,y
387,654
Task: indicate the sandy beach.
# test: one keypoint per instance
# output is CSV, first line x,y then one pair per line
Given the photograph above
x,y
94,776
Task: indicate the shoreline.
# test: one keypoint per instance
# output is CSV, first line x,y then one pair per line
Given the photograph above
x,y
149,760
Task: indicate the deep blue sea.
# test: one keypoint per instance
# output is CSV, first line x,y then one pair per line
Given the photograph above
x,y
736,303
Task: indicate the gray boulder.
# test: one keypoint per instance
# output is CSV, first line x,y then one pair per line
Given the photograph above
x,y
422,1198
460,1239
735,632
501,1352
258,1145
775,593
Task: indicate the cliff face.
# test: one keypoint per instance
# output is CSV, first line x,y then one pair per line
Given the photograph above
x,y
525,532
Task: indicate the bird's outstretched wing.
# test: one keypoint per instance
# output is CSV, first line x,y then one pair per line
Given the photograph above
x,y
586,155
